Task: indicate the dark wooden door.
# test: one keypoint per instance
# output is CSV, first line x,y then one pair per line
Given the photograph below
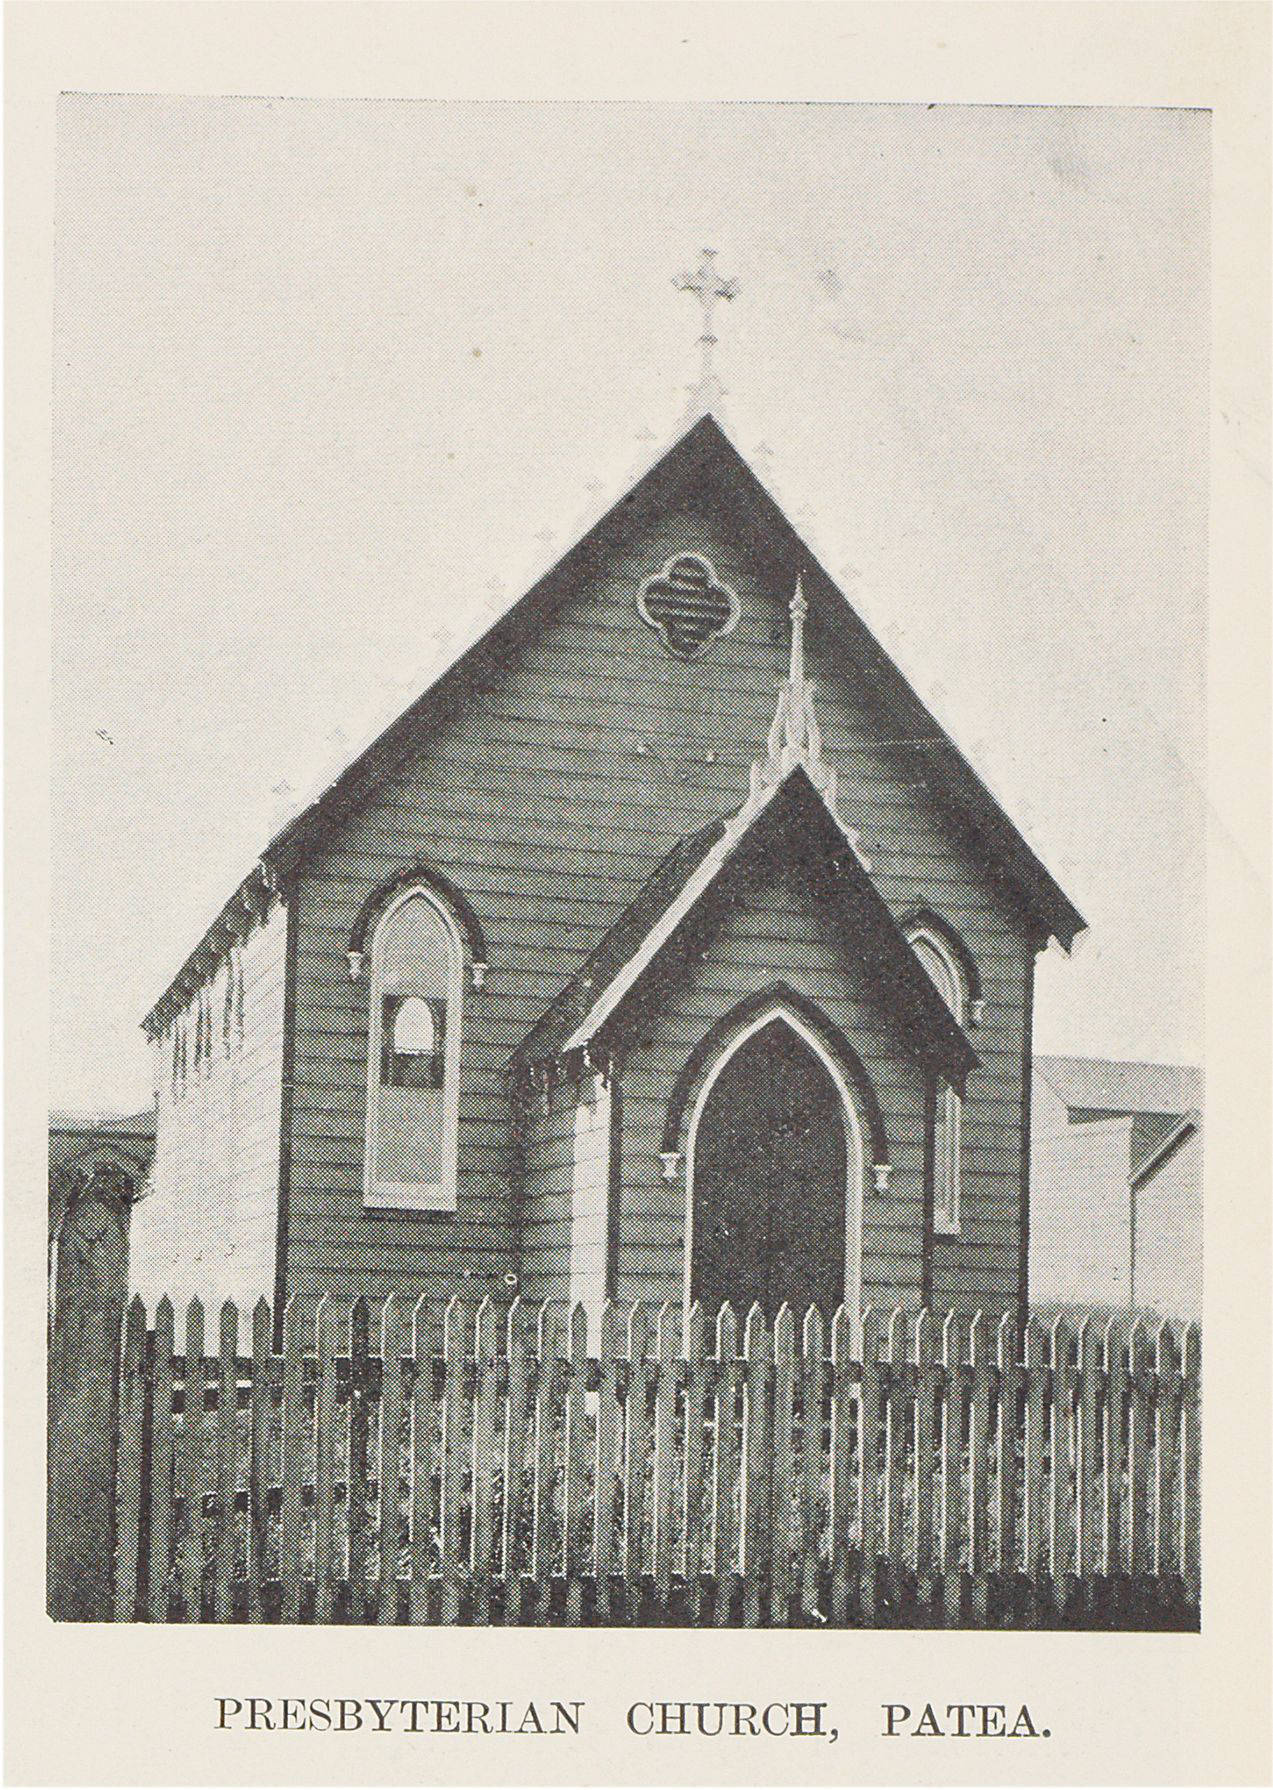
x,y
769,1180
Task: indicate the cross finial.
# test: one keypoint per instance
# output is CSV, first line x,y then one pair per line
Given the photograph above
x,y
707,286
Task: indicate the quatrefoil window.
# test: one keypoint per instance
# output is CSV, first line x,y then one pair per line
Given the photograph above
x,y
687,605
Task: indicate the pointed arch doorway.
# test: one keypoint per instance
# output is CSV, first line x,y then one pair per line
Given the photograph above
x,y
774,1176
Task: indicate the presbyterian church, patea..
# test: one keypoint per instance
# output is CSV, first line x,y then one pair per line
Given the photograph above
x,y
623,964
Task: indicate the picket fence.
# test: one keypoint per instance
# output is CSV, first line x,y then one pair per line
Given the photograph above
x,y
451,1464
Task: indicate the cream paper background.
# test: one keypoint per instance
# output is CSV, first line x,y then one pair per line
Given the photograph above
x,y
131,1705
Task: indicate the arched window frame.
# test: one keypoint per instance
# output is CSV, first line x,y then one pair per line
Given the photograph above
x,y
416,1196
948,1139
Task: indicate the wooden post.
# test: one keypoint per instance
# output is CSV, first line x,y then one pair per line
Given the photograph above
x,y
924,1456
638,1438
695,1508
1139,1444
1091,1367
296,1428
784,1467
842,1490
665,1463
83,1406
161,1489
551,1346
516,1546
1036,1369
869,1408
485,1457
454,1428
227,1460
1061,1515
574,1466
329,1328
132,1407
952,1500
1115,1430
193,1475
425,1510
1191,1512
259,1455
393,1341
1167,1456
361,1426
978,1435
812,1398
899,1422
609,1452
725,1526
1007,1500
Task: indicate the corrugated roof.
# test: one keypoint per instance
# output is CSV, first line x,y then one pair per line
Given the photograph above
x,y
1098,1085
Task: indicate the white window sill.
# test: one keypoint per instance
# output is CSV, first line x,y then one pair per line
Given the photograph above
x,y
407,1196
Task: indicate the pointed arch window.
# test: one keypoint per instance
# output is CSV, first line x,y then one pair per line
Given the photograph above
x,y
944,972
413,1084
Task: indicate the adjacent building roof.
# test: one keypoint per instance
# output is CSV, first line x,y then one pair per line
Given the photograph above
x,y
140,1124
702,452
1096,1085
1163,1101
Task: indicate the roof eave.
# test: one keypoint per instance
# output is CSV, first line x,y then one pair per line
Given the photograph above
x,y
939,1041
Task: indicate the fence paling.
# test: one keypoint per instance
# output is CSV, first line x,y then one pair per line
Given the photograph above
x,y
812,1400
487,1459
128,1491
726,1461
393,1348
227,1461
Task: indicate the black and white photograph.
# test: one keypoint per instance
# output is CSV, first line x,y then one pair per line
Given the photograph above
x,y
628,864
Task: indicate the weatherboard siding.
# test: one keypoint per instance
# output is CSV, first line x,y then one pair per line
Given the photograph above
x,y
548,795
209,1219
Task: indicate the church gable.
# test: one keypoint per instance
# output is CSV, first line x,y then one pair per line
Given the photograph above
x,y
613,722
651,549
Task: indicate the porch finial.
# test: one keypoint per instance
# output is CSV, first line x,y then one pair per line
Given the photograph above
x,y
794,738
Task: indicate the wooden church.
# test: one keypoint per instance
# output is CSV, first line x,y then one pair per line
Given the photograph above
x,y
665,948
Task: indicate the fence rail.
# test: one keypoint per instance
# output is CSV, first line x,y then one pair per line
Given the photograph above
x,y
423,1463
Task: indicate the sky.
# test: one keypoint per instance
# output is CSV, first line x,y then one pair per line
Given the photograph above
x,y
334,379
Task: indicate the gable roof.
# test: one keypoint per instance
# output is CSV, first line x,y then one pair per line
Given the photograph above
x,y
1096,1085
1175,1135
703,450
703,866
